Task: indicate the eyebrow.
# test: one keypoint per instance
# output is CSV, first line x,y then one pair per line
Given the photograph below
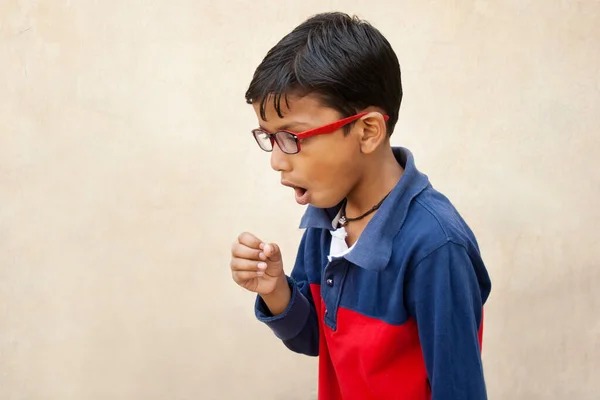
x,y
287,127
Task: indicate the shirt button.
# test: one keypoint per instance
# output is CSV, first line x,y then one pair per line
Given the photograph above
x,y
329,282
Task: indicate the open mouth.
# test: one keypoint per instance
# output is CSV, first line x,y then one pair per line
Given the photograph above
x,y
300,191
302,194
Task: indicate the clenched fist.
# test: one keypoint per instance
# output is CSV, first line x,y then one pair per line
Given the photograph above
x,y
257,267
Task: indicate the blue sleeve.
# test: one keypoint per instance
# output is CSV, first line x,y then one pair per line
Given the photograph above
x,y
444,296
297,326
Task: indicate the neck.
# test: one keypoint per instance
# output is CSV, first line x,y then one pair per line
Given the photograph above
x,y
377,181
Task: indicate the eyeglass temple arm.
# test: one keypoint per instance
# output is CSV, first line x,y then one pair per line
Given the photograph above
x,y
333,126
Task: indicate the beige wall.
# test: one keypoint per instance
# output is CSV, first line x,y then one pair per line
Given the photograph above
x,y
126,170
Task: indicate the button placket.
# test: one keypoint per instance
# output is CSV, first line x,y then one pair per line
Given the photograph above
x,y
334,274
328,294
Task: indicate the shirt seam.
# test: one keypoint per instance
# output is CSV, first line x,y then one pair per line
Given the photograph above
x,y
435,216
446,242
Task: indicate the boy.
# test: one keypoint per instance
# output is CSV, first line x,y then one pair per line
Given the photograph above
x,y
388,286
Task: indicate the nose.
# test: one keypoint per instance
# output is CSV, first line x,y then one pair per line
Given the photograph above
x,y
279,160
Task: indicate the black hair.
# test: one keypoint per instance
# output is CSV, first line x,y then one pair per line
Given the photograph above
x,y
347,62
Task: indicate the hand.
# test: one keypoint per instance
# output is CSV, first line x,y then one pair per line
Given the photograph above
x,y
257,266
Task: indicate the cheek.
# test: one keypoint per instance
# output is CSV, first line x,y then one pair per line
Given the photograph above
x,y
332,164
334,174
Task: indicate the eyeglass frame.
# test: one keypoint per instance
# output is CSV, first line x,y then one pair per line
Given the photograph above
x,y
297,136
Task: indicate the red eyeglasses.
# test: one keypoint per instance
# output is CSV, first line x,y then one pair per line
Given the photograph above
x,y
289,142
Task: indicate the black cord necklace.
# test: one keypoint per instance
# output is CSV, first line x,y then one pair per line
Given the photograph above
x,y
344,220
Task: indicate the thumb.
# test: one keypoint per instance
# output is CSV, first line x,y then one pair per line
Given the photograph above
x,y
272,252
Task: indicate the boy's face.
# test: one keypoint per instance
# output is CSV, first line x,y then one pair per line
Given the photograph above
x,y
328,166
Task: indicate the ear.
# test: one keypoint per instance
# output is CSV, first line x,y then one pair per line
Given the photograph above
x,y
373,132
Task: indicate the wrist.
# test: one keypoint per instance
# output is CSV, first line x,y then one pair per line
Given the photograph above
x,y
281,284
278,299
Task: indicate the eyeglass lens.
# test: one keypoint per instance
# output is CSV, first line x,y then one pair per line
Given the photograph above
x,y
286,142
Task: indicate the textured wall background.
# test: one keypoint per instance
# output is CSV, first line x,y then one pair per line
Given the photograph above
x,y
126,170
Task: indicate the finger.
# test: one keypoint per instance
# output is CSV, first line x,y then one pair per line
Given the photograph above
x,y
272,252
242,264
242,251
246,275
249,240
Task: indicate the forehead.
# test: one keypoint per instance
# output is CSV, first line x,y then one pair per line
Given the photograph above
x,y
307,111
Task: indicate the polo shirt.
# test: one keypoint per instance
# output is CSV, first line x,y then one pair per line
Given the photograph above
x,y
399,315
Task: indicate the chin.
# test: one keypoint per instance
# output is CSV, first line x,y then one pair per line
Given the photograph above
x,y
320,202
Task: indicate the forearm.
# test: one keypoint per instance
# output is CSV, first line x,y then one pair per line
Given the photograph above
x,y
290,310
296,323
